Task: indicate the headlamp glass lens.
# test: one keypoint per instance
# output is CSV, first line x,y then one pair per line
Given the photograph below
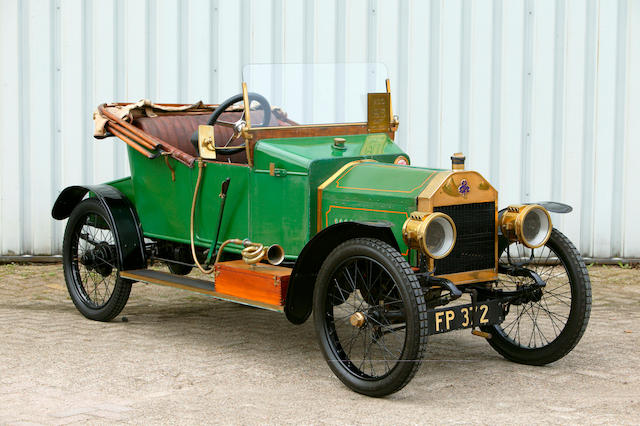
x,y
535,227
439,237
435,237
531,226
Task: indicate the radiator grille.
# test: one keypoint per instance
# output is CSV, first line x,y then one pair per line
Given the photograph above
x,y
475,242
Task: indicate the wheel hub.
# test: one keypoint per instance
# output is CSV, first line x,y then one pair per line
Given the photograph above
x,y
536,295
358,319
98,259
531,294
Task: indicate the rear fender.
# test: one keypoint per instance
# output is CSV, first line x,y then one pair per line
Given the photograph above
x,y
303,277
122,215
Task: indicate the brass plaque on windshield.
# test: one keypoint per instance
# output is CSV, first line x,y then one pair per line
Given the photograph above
x,y
378,112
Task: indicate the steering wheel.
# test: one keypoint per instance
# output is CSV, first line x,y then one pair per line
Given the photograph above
x,y
213,119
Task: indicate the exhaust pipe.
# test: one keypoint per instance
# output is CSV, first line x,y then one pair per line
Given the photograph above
x,y
255,252
275,254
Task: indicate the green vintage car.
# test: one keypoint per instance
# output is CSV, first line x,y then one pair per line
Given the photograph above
x,y
292,196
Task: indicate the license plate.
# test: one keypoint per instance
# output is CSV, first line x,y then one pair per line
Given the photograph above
x,y
462,316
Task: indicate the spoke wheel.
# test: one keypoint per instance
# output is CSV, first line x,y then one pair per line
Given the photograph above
x,y
90,263
547,323
370,318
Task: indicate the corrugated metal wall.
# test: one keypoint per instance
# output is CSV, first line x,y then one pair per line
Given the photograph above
x,y
542,96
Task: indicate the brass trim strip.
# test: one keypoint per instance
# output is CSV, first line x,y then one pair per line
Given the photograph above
x,y
247,105
388,87
496,255
247,119
470,277
212,293
307,126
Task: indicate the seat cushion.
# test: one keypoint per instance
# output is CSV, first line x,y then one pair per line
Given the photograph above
x,y
176,130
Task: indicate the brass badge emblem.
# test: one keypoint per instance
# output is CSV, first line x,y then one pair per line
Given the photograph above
x,y
464,188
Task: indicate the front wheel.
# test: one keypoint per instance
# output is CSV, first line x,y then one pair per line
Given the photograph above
x,y
90,263
370,316
549,323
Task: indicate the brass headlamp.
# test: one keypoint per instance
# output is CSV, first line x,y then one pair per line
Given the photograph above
x,y
432,233
528,223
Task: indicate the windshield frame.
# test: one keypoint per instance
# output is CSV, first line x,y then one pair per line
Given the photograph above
x,y
317,94
324,129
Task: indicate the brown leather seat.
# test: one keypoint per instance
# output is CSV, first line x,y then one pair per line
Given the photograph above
x,y
173,129
176,130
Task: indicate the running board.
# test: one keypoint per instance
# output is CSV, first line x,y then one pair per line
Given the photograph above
x,y
150,276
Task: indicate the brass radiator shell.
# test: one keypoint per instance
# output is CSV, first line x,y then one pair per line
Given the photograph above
x,y
451,188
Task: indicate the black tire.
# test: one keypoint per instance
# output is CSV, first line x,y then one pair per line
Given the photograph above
x,y
543,331
386,300
90,263
178,269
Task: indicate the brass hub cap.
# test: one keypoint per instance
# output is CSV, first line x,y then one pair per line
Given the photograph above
x,y
358,319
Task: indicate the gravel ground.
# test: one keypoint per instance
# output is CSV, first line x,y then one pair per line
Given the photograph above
x,y
185,358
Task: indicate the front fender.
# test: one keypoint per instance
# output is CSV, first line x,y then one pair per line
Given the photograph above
x,y
555,207
552,206
121,213
299,299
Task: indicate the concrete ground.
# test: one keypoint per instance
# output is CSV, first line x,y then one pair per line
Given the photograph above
x,y
184,358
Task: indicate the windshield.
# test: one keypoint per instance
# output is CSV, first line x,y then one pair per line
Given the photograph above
x,y
317,93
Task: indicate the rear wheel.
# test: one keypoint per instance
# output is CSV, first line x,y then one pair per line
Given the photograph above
x,y
550,322
370,316
90,263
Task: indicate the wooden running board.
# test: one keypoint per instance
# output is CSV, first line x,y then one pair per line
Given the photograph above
x,y
192,284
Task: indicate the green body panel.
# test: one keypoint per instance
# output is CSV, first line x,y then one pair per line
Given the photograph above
x,y
374,191
280,211
124,185
235,222
163,204
307,161
269,209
